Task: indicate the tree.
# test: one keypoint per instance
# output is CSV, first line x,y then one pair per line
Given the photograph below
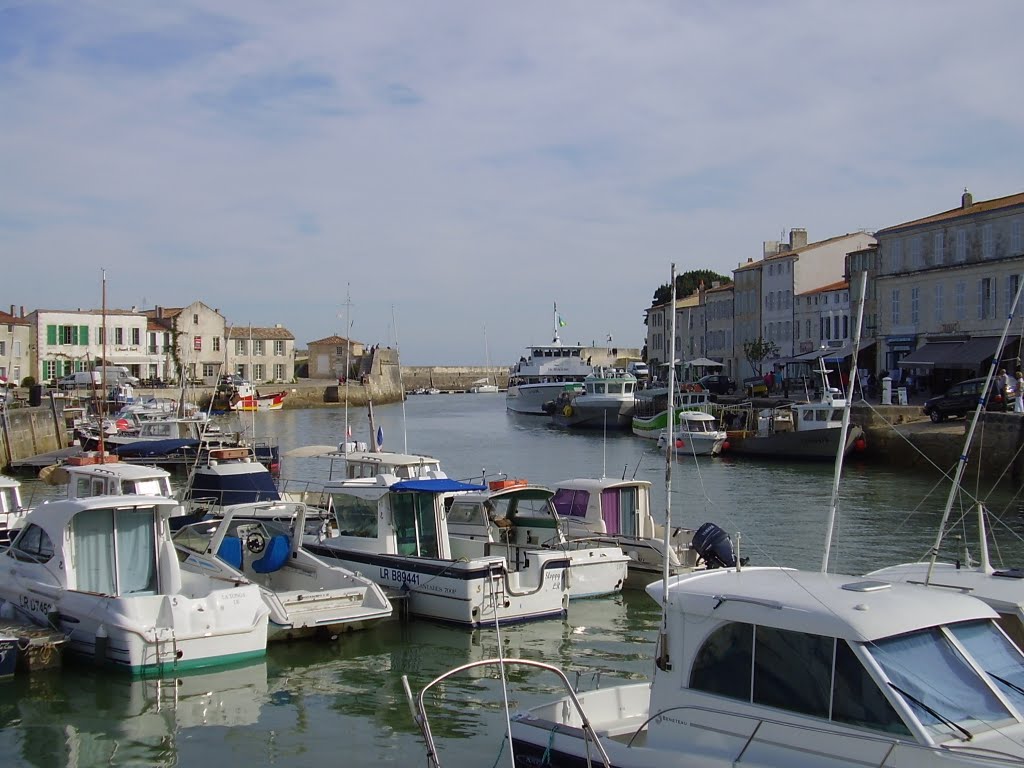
x,y
758,351
686,284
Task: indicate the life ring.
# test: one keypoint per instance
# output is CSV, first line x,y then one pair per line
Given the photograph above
x,y
567,411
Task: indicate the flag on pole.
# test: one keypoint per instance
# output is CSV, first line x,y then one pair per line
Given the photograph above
x,y
348,432
561,322
380,437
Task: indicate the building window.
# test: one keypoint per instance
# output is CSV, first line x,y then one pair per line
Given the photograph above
x,y
216,343
197,343
915,304
938,244
279,348
278,371
915,252
959,300
119,336
988,242
986,294
1012,284
897,255
257,372
846,326
895,306
808,329
937,306
239,346
136,336
1017,237
209,370
195,319
257,347
961,245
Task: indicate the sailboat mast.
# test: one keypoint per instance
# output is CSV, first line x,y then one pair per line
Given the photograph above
x,y
348,358
962,462
845,428
554,324
103,370
663,660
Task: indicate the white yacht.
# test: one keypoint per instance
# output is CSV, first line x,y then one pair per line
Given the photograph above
x,y
513,517
547,370
697,435
788,669
104,571
12,511
606,401
394,530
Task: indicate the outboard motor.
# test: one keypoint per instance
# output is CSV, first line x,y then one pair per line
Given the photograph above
x,y
714,546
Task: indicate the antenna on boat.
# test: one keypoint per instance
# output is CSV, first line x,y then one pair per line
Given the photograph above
x,y
962,462
663,661
845,428
401,383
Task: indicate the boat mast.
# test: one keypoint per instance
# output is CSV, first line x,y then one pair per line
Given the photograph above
x,y
663,662
554,325
348,358
962,462
845,428
103,370
401,383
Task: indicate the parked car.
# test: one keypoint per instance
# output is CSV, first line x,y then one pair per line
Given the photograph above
x,y
755,386
962,398
718,383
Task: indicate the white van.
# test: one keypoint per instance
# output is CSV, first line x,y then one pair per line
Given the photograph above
x,y
80,380
639,369
115,374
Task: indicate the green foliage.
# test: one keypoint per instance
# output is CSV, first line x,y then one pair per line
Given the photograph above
x,y
28,381
757,351
686,284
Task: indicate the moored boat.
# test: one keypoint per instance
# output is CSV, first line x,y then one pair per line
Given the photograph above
x,y
605,402
650,411
698,434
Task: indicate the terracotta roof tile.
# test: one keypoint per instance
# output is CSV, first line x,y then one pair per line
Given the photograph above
x,y
265,334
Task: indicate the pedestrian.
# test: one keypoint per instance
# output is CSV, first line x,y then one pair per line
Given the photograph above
x,y
1000,386
1018,401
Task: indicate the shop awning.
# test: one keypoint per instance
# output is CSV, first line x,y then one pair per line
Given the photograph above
x,y
840,354
967,355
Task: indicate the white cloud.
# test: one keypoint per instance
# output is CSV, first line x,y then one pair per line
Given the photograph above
x,y
462,165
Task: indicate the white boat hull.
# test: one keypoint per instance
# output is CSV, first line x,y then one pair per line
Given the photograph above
x,y
530,398
473,592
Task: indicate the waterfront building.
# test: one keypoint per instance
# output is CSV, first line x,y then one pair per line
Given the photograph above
x,y
190,340
690,333
718,313
15,341
821,318
747,309
262,354
328,356
945,284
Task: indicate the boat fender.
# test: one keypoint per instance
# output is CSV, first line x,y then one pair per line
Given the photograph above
x,y
567,411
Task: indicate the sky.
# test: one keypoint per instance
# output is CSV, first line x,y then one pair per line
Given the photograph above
x,y
437,176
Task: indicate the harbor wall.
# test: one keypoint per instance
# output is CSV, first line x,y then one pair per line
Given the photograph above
x,y
27,432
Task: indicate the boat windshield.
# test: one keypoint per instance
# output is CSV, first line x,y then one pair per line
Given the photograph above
x,y
997,655
937,681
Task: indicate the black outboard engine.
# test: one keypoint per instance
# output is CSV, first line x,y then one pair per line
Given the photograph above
x,y
714,546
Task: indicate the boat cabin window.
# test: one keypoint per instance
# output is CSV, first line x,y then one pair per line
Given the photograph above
x,y
33,545
355,516
1011,624
997,655
415,523
156,486
596,388
466,513
794,671
114,550
570,502
157,429
929,668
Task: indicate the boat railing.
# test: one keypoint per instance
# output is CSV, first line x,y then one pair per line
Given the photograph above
x,y
417,704
765,731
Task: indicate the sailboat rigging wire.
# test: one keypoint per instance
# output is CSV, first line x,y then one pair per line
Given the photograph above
x,y
401,382
962,463
663,661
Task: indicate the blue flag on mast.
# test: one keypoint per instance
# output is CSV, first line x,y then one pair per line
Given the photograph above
x,y
380,437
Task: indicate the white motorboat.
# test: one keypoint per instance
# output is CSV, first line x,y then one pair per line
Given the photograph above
x,y
105,571
394,531
777,667
606,402
483,387
306,596
618,512
514,517
697,435
650,408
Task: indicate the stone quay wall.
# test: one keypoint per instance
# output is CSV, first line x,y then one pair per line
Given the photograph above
x,y
28,432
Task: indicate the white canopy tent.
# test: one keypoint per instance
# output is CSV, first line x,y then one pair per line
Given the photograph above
x,y
702,362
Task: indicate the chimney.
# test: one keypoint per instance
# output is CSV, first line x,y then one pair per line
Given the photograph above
x,y
22,310
797,238
770,248
12,310
967,199
159,312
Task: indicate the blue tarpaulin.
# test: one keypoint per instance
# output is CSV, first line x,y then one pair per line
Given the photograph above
x,y
438,485
154,447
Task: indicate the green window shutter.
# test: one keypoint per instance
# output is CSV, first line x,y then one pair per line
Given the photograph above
x,y
74,334
83,335
51,335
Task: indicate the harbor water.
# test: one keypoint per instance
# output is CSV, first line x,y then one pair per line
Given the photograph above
x,y
343,703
